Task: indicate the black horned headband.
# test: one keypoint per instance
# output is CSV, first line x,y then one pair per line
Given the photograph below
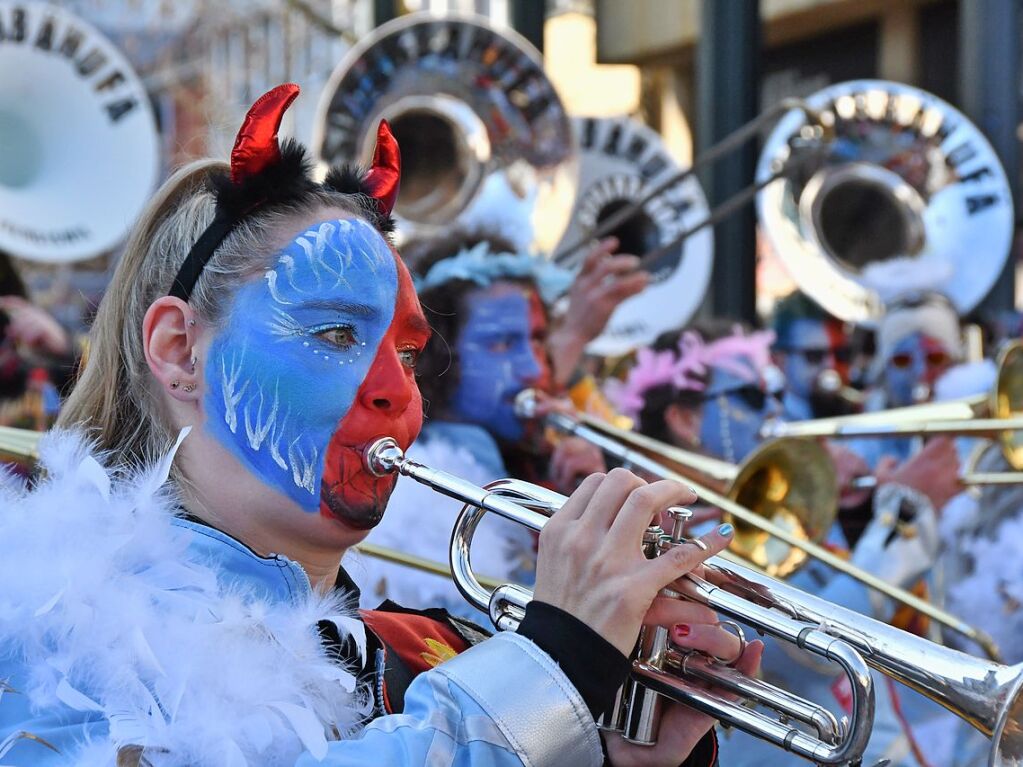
x,y
264,172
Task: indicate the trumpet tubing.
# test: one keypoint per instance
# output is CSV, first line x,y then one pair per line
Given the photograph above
x,y
988,695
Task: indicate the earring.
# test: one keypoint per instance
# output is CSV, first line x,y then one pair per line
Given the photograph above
x,y
175,384
191,323
188,388
194,360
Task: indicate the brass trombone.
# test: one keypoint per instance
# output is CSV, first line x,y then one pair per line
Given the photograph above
x,y
987,695
997,414
764,500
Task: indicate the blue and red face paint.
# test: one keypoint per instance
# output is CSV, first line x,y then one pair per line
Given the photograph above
x,y
315,361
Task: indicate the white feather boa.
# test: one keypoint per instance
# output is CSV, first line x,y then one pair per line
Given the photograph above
x,y
107,611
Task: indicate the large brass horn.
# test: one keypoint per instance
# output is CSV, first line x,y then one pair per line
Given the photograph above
x,y
902,174
620,159
987,695
483,132
997,414
756,478
72,112
857,174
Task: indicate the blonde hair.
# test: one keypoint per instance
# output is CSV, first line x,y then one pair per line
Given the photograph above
x,y
116,399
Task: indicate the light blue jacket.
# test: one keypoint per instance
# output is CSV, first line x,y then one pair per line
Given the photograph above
x,y
502,702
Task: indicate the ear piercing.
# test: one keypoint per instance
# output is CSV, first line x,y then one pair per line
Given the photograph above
x,y
194,360
191,323
175,384
188,388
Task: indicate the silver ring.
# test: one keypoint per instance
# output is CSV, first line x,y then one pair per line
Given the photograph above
x,y
698,543
742,642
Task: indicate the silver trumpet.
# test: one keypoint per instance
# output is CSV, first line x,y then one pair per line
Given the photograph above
x,y
985,694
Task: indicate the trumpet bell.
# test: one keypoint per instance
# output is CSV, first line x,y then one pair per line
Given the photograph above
x,y
786,483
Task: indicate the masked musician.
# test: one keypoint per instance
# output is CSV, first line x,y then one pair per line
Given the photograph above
x,y
808,344
191,609
918,339
705,390
487,304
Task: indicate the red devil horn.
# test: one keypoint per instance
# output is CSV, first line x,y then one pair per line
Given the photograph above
x,y
385,174
256,145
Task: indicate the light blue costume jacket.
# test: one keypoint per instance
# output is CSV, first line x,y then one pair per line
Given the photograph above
x,y
502,702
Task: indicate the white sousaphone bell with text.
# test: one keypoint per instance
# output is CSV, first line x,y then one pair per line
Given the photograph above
x,y
79,151
620,161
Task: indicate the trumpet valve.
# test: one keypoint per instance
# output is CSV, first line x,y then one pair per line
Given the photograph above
x,y
680,517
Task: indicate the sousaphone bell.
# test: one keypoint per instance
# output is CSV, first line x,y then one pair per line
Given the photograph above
x,y
484,135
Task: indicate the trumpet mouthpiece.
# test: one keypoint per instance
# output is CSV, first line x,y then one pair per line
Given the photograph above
x,y
525,403
383,457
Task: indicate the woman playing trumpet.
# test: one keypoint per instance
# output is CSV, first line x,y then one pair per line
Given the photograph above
x,y
176,597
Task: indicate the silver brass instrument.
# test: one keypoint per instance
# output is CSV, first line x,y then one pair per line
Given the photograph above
x,y
620,159
855,175
483,132
987,695
757,500
72,110
902,174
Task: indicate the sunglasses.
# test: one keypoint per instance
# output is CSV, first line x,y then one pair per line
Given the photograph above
x,y
752,396
904,360
841,354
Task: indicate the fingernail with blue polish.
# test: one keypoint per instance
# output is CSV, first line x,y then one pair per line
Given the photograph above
x,y
726,530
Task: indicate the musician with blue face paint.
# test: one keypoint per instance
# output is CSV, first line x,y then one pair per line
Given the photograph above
x,y
488,307
173,586
808,344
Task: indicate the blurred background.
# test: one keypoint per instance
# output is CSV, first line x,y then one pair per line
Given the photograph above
x,y
692,70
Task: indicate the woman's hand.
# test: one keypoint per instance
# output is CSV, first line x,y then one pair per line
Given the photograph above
x,y
590,563
572,461
34,328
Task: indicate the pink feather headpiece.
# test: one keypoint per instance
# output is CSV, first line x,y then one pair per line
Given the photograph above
x,y
743,355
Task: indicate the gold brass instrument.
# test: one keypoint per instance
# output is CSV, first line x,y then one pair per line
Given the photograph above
x,y
19,445
998,414
765,486
790,483
987,695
